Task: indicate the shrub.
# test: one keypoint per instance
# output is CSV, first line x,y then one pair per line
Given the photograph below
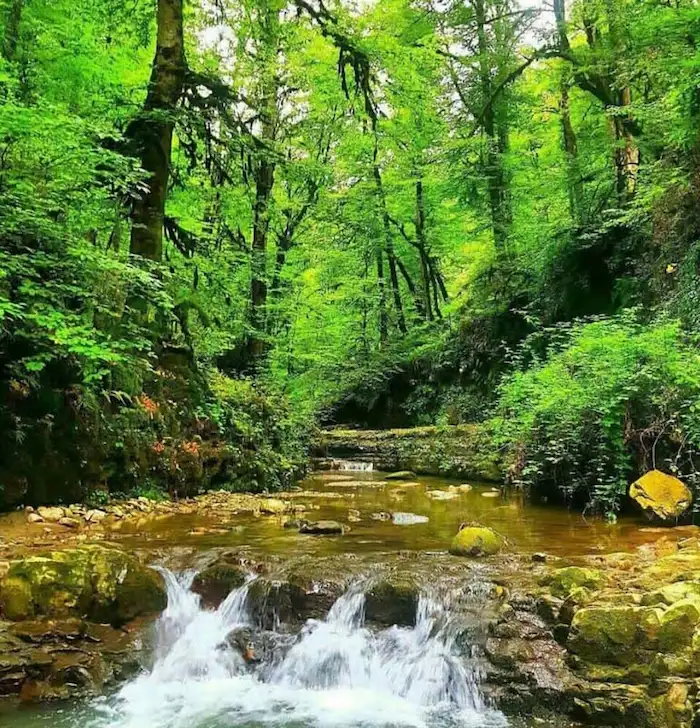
x,y
617,397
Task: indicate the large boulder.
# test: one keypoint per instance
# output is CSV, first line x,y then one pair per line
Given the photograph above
x,y
102,584
476,541
661,495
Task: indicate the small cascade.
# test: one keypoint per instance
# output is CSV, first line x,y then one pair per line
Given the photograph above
x,y
356,466
337,673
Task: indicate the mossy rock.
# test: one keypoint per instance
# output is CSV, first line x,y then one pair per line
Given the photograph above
x,y
661,496
563,582
216,582
393,600
678,624
16,599
102,584
614,635
476,541
672,593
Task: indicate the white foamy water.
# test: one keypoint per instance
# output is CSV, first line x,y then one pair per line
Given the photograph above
x,y
337,673
353,465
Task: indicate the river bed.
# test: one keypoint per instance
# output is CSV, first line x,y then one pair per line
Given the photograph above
x,y
338,671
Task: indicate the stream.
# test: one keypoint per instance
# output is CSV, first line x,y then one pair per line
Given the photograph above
x,y
337,671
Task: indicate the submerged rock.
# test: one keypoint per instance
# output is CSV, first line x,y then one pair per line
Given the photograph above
x,y
401,475
321,528
476,541
441,494
661,495
272,506
104,584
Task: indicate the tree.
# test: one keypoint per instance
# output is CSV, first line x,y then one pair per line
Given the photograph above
x,y
152,131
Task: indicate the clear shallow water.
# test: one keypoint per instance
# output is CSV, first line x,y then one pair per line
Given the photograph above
x,y
335,673
385,516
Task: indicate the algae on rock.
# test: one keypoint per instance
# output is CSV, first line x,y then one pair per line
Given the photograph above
x,y
103,584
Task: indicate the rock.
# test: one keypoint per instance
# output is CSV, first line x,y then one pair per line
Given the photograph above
x,y
678,623
441,494
476,541
661,495
672,593
614,635
293,523
465,487
320,528
34,518
105,584
401,475
354,515
51,514
16,599
272,506
407,519
95,516
393,600
216,582
302,594
563,582
491,494
69,522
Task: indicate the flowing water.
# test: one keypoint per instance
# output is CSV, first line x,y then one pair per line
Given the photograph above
x,y
335,672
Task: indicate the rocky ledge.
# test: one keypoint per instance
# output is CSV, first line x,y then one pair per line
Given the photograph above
x,y
611,640
459,451
71,621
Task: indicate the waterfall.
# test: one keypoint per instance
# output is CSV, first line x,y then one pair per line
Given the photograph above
x,y
362,466
338,673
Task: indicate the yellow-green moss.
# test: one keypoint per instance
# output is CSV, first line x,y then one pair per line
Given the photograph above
x,y
476,541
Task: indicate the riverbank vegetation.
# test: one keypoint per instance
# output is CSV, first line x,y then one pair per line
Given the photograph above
x,y
224,223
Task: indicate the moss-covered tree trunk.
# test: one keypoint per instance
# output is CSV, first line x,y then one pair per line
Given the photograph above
x,y
153,130
12,24
496,134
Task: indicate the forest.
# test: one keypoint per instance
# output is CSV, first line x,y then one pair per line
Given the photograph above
x,y
225,224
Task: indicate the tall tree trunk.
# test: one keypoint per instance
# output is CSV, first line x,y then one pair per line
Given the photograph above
x,y
153,130
495,142
264,183
381,285
389,242
626,152
264,178
570,145
12,24
423,249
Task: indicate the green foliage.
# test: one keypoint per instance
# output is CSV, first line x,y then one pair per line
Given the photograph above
x,y
368,211
611,394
